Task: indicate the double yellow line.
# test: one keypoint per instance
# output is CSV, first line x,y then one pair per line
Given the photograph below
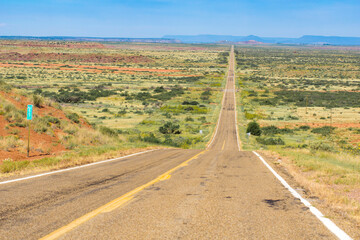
x,y
116,203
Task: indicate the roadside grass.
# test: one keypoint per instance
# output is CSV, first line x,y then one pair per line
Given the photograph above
x,y
81,156
332,177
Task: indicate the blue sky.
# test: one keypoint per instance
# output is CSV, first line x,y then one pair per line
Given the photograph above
x,y
155,18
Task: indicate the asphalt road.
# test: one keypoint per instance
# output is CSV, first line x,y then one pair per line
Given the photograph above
x,y
218,193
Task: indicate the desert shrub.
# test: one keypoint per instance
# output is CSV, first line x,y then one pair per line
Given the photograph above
x,y
73,117
304,128
190,103
122,112
202,119
167,115
322,147
9,142
357,131
85,136
70,129
150,137
326,130
40,124
159,89
52,119
205,95
189,119
22,125
270,130
170,128
250,116
168,140
37,100
4,86
108,131
290,117
253,128
270,141
11,113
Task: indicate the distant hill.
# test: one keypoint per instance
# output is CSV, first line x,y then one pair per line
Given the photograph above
x,y
91,39
307,39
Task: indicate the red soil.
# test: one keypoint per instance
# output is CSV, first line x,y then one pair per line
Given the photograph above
x,y
41,144
154,47
90,57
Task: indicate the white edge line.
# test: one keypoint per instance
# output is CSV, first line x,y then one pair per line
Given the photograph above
x,y
327,222
73,168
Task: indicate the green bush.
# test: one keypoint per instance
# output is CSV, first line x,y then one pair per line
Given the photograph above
x,y
108,131
270,141
170,128
304,128
190,103
151,138
253,128
326,130
73,117
38,101
189,119
322,147
250,116
270,130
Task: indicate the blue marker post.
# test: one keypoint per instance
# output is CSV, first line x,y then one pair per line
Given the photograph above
x,y
29,116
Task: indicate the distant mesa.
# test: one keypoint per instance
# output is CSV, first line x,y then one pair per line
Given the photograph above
x,y
249,42
252,39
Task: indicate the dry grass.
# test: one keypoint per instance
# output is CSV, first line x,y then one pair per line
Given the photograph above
x,y
69,159
9,142
333,178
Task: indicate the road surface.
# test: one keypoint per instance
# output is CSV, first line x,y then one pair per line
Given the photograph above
x,y
217,193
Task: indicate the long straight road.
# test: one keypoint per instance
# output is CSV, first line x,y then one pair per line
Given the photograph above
x,y
218,193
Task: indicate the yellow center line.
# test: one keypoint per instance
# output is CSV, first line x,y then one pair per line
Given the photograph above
x,y
223,146
116,203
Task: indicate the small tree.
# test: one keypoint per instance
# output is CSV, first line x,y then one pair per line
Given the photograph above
x,y
254,128
170,128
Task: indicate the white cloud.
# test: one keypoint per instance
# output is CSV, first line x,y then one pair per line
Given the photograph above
x,y
2,24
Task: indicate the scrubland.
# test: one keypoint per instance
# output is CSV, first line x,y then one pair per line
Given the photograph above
x,y
94,96
307,103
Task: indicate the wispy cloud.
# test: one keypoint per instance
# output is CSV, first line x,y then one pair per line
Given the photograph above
x,y
2,24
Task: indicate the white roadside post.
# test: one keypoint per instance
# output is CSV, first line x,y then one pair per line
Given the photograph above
x,y
29,115
248,136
